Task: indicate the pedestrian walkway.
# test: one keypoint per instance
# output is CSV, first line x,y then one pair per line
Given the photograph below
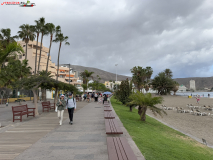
x,y
16,138
85,139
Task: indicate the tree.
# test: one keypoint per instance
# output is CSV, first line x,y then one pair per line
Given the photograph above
x,y
26,34
162,83
125,91
37,30
85,76
141,76
146,101
44,31
5,37
175,87
61,39
168,73
10,50
51,30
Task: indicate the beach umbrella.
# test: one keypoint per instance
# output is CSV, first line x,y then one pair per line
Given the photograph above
x,y
107,93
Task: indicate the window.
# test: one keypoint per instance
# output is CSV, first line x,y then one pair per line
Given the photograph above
x,y
20,56
24,45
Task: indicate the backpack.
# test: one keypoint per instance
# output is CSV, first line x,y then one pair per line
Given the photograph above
x,y
73,101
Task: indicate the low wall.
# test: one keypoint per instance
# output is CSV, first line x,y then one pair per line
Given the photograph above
x,y
25,98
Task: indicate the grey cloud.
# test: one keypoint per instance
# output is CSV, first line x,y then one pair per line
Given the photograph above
x,y
161,34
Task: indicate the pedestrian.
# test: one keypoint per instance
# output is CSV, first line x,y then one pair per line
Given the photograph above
x,y
198,99
88,97
96,97
92,96
85,96
71,106
60,108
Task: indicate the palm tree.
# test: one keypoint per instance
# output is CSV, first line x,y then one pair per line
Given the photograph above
x,y
43,32
51,30
10,49
26,34
85,76
168,73
175,87
37,30
146,101
59,38
5,37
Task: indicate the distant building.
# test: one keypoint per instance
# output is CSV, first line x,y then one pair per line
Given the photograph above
x,y
182,88
192,84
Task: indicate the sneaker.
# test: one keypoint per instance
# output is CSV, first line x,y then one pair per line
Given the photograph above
x,y
71,122
60,123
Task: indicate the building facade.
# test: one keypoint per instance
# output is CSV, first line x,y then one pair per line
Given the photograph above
x,y
192,85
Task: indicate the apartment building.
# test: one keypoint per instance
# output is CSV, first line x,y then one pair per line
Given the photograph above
x,y
63,73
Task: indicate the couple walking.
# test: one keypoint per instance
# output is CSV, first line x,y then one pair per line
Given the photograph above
x,y
70,105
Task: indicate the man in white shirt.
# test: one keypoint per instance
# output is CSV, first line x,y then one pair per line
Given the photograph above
x,y
71,106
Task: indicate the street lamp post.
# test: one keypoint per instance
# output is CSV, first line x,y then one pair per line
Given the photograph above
x,y
69,73
116,77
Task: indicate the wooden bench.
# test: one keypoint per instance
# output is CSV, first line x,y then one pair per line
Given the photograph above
x,y
112,127
108,115
106,105
22,110
52,105
106,102
107,109
119,149
46,105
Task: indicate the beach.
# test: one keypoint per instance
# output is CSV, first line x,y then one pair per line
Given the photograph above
x,y
197,126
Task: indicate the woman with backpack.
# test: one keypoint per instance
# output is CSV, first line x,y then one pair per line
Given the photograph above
x,y
60,108
71,106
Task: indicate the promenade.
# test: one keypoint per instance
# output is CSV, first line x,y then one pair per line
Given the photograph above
x,y
43,138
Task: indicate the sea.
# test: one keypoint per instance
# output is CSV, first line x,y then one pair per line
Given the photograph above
x,y
201,94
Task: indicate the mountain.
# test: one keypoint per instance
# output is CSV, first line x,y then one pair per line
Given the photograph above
x,y
200,82
104,75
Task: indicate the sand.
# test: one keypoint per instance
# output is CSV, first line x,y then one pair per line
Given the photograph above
x,y
198,126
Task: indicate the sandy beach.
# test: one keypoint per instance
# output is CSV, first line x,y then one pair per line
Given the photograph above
x,y
198,126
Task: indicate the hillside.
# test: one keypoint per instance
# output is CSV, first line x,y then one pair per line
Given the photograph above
x,y
104,75
200,82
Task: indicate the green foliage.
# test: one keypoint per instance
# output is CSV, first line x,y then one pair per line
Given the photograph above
x,y
141,76
6,38
164,83
10,50
157,141
86,75
124,91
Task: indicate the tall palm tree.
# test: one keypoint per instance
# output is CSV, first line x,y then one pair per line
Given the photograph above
x,y
61,39
168,73
43,32
85,76
51,30
5,37
37,30
26,34
146,101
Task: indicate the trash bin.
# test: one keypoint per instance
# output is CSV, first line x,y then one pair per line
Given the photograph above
x,y
189,96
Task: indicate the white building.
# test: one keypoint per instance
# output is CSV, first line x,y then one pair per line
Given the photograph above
x,y
182,88
192,84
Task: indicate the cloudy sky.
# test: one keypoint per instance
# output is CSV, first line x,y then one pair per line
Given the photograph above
x,y
175,34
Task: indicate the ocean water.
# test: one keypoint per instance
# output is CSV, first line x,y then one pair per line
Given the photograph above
x,y
201,94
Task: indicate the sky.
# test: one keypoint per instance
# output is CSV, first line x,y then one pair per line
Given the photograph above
x,y
174,34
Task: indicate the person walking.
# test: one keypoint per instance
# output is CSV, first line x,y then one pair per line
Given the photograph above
x,y
88,97
96,97
198,99
60,108
71,106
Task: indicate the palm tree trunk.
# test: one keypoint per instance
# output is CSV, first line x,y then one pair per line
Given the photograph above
x,y
35,101
58,61
40,52
56,95
36,54
44,95
26,51
143,113
49,53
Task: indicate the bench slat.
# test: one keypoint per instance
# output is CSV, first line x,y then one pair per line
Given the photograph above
x,y
122,150
128,150
119,149
112,127
108,115
112,155
107,109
